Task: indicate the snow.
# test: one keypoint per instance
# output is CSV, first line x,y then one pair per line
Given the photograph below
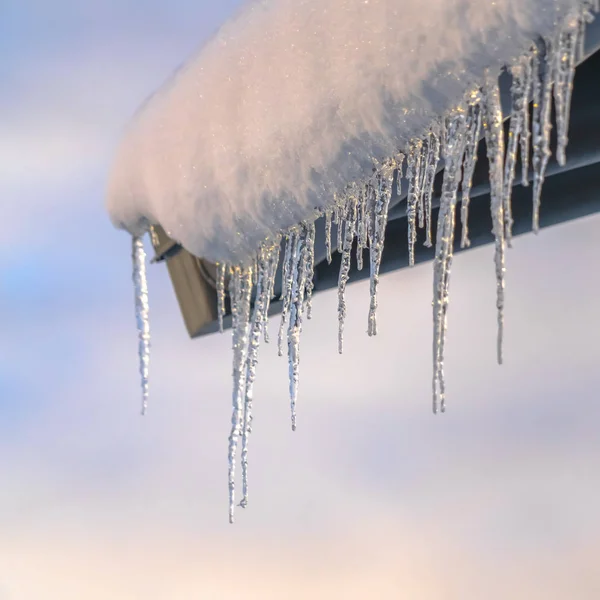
x,y
289,102
468,170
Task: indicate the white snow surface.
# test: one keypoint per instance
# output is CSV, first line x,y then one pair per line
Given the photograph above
x,y
292,99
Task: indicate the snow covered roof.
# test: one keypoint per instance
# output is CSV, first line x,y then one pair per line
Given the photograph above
x,y
291,101
297,110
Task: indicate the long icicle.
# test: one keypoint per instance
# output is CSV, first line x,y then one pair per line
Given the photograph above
x,y
350,230
370,195
240,294
362,227
286,285
542,126
309,266
454,148
433,158
328,215
299,273
140,284
413,174
519,99
425,154
563,85
473,135
257,324
339,212
494,139
383,191
527,64
221,268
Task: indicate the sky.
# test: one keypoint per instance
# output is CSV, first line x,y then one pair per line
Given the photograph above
x,y
373,496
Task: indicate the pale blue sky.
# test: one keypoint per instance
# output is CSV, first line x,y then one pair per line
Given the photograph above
x,y
373,496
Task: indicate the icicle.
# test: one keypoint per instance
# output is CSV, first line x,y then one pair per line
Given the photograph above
x,y
470,160
494,139
359,231
433,157
443,136
370,198
519,99
233,287
259,318
454,148
140,284
362,217
542,93
563,84
422,178
383,194
525,127
221,268
351,210
413,174
328,235
340,209
299,271
255,271
286,283
309,265
273,263
241,291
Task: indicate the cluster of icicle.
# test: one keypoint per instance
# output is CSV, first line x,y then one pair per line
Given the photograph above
x,y
544,75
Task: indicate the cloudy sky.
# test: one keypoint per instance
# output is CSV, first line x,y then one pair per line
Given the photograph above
x,y
373,496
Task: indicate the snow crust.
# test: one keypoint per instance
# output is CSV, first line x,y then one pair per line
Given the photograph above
x,y
292,100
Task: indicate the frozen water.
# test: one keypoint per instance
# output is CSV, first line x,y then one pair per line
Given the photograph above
x,y
433,157
473,134
265,273
328,215
525,129
298,278
350,231
565,72
362,228
520,104
221,269
240,293
543,73
287,282
141,313
383,193
309,267
494,139
454,149
413,174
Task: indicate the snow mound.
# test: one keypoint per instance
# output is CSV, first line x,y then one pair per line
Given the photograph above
x,y
291,101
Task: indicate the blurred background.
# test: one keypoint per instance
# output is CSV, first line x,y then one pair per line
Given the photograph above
x,y
373,496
